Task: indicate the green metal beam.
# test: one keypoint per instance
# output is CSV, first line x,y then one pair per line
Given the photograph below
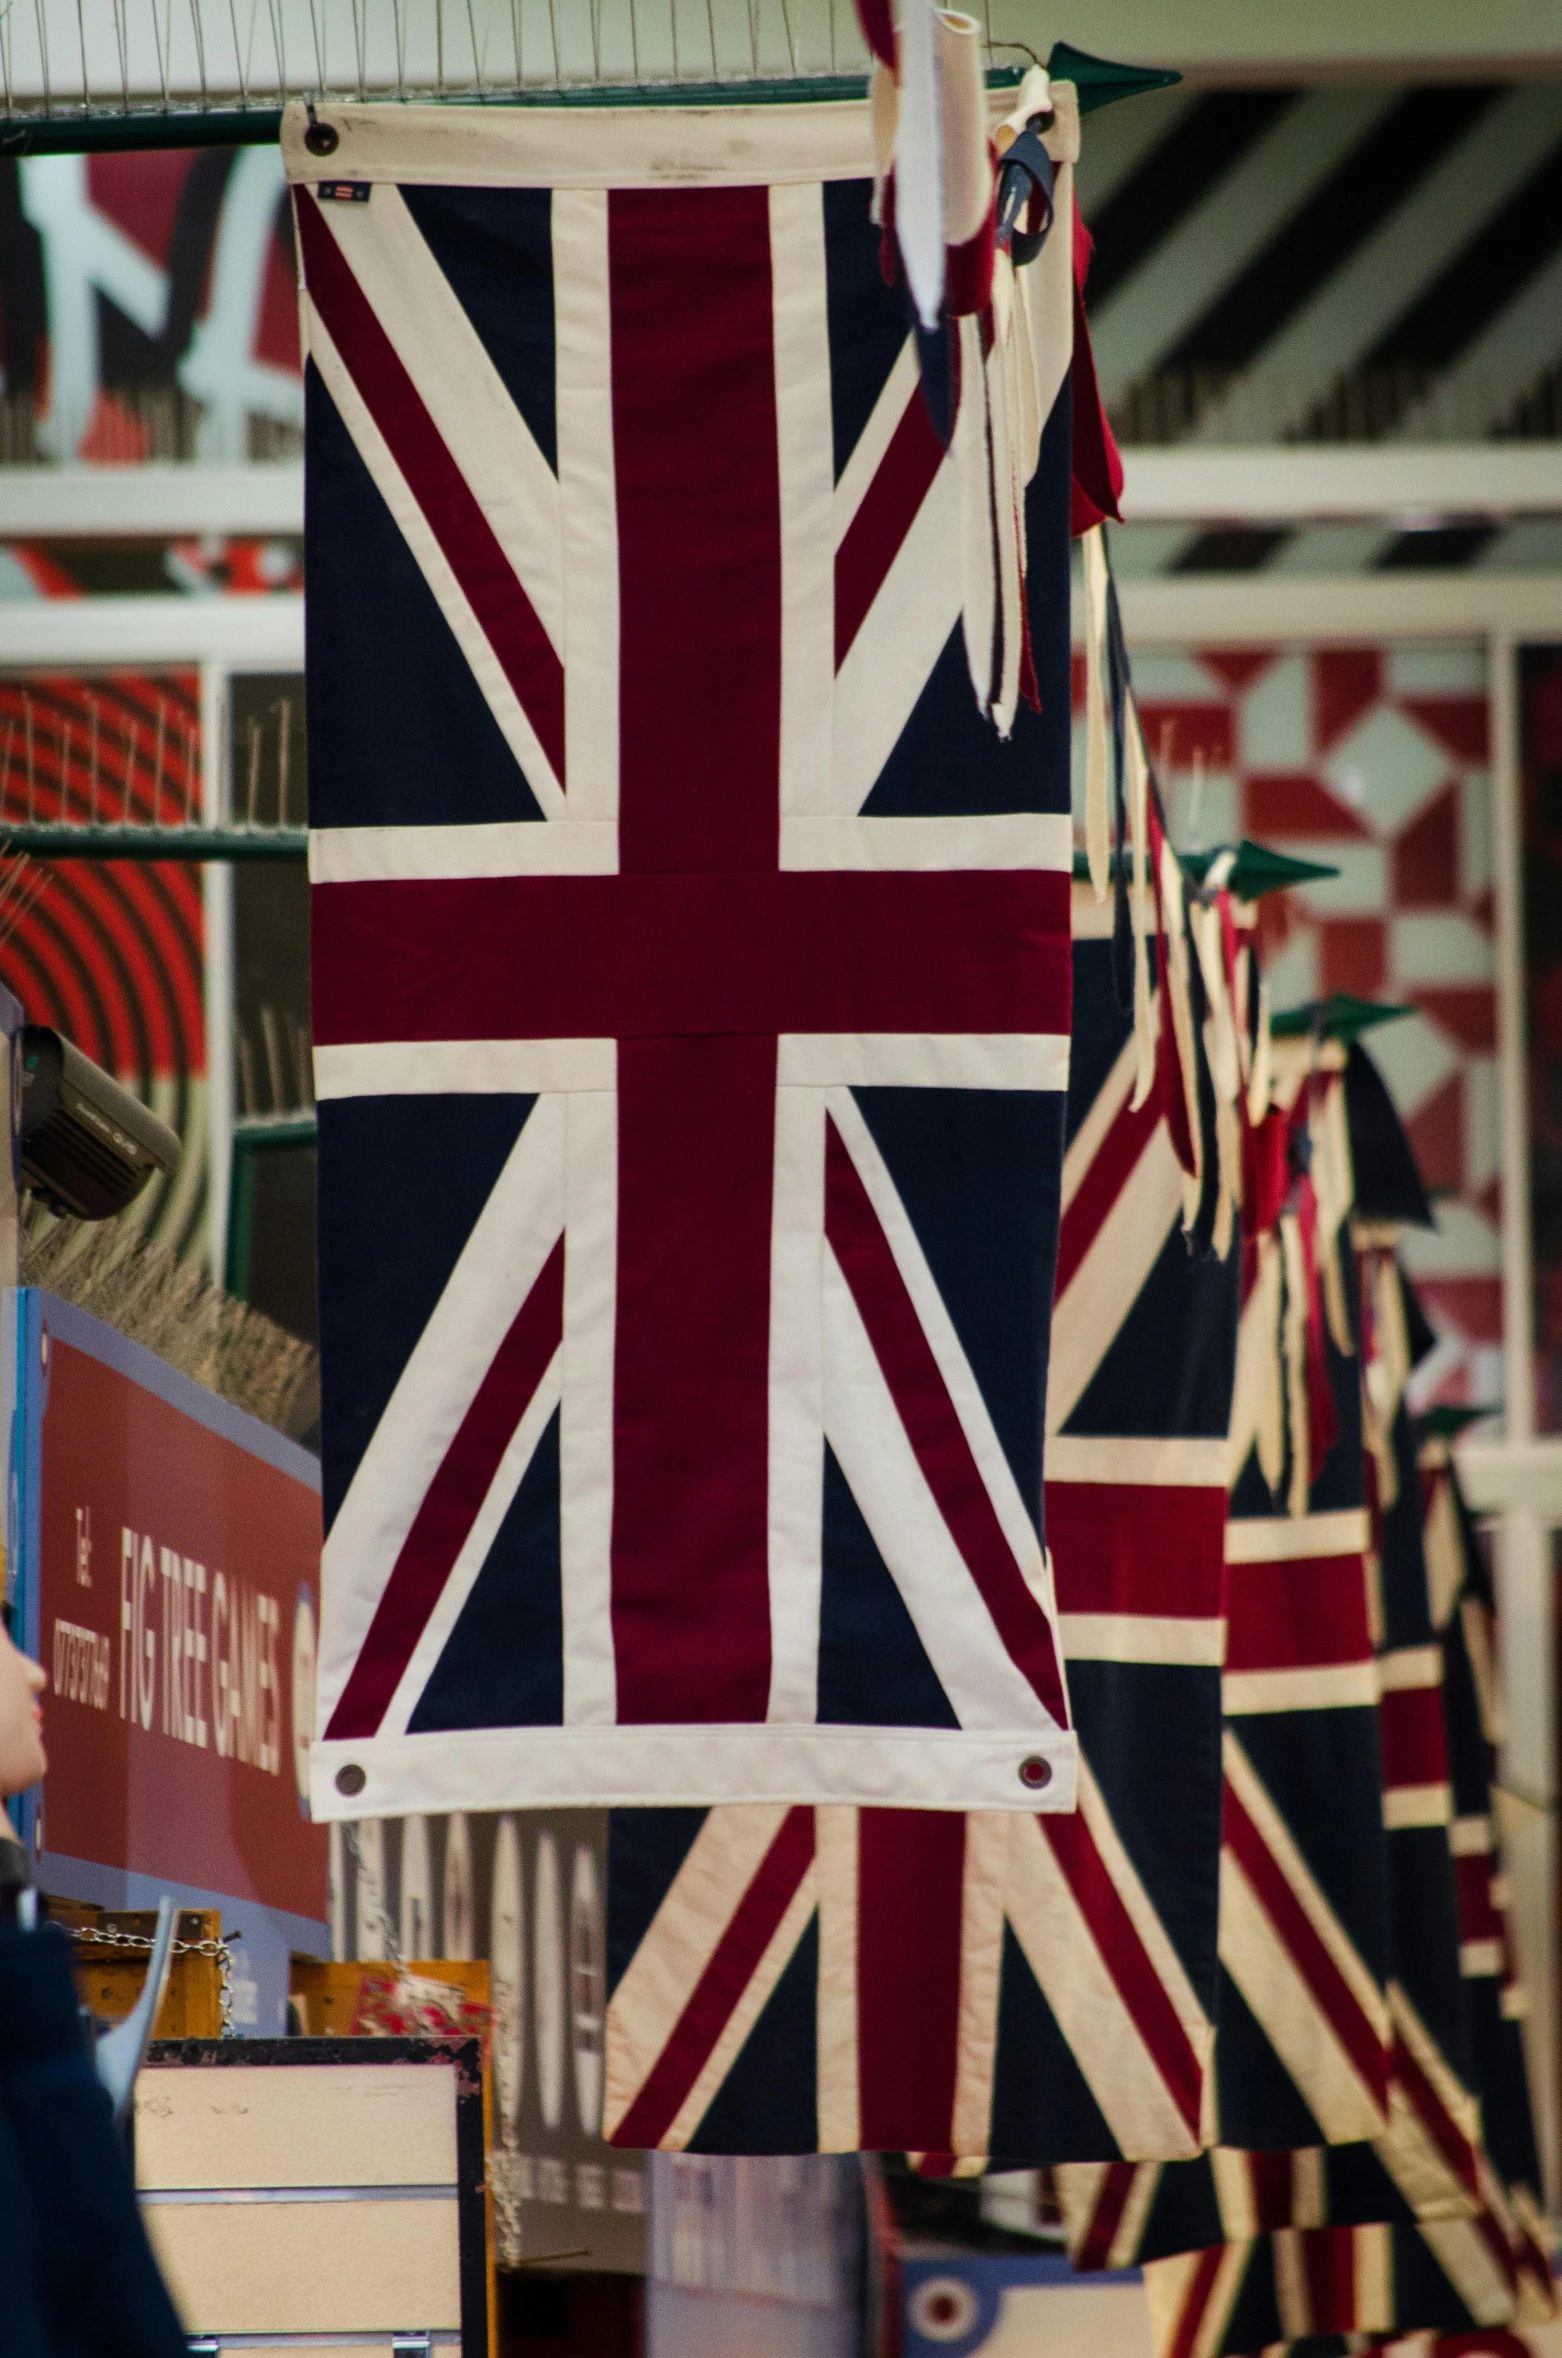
x,y
44,842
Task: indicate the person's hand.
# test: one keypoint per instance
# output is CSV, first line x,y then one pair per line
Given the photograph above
x,y
22,1681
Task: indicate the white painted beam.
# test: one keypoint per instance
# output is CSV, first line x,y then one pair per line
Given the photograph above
x,y
1257,609
1393,483
249,634
156,501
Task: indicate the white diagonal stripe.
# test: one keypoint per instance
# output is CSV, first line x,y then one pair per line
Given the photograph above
x,y
804,448
502,700
1088,1313
461,389
490,847
903,633
588,499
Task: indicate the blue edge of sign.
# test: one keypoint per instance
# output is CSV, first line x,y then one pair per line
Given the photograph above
x,y
260,1939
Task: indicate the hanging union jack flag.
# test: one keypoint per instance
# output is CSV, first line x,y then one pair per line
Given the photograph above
x,y
691,972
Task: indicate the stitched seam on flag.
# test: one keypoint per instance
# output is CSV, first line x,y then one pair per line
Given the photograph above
x,y
1138,1461
728,1971
682,1938
1274,1840
1182,1641
884,516
903,384
1100,1119
838,2101
430,1549
1140,1979
1102,1187
933,1426
901,638
1347,1686
756,1996
1448,2108
473,645
1332,2008
1283,1539
1087,1316
506,614
473,1553
467,400
985,1873
1474,2257
513,1234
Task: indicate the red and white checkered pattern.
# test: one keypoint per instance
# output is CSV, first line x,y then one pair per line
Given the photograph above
x,y
1373,759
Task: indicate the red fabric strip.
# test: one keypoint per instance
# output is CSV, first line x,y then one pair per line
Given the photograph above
x,y
1330,1991
1479,1917
910,1885
1329,2267
1273,2185
1304,1615
731,1968
1128,1962
1414,1736
1127,1547
613,957
1102,1185
691,1585
451,1502
968,268
885,514
1434,2116
1184,2338
1106,2217
451,509
697,483
932,1427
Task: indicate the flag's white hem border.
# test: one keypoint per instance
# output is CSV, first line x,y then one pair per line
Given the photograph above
x,y
691,1766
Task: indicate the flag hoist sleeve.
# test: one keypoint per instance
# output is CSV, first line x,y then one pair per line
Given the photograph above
x,y
690,854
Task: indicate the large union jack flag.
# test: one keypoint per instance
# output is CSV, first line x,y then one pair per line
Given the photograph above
x,y
691,983
960,1986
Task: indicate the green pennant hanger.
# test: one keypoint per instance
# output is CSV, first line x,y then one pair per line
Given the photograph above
x,y
1339,1017
1099,80
1446,1422
1257,870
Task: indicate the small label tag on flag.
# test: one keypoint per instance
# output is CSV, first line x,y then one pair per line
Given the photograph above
x,y
345,192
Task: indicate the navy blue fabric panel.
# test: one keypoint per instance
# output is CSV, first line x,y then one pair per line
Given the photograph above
x,y
1173,1360
1152,1737
1259,2105
1360,2188
948,757
1185,2215
495,246
1254,2322
645,1849
1423,2295
873,1668
1424,1936
402,1181
1043,2110
868,320
399,731
503,1663
978,1171
1100,1030
1307,1760
1407,1606
767,2102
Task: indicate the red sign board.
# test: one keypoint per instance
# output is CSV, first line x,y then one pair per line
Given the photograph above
x,y
171,1552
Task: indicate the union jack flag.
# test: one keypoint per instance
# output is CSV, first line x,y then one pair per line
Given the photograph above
x,y
958,1986
691,983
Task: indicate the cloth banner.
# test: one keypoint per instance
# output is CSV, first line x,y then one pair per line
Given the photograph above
x,y
690,968
1035,1988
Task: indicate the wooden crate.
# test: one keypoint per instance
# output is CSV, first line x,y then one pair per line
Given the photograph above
x,y
326,1992
111,1979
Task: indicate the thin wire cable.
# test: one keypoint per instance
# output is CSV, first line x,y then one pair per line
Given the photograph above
x,y
595,21
360,32
5,78
200,49
43,56
672,15
553,35
238,54
278,41
477,58
710,19
634,39
515,42
439,40
81,33
162,61
122,40
791,44
399,25
322,82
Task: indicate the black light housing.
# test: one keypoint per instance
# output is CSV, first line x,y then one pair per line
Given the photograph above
x,y
88,1145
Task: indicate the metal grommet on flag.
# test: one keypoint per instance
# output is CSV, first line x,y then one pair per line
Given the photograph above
x,y
351,1780
321,139
1034,1772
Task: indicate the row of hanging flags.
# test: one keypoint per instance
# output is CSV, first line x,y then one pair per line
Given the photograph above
x,y
745,1153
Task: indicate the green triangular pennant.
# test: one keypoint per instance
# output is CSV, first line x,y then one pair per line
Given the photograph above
x,y
1339,1017
1099,80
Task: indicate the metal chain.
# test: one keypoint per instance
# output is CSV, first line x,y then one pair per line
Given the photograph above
x,y
109,1939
